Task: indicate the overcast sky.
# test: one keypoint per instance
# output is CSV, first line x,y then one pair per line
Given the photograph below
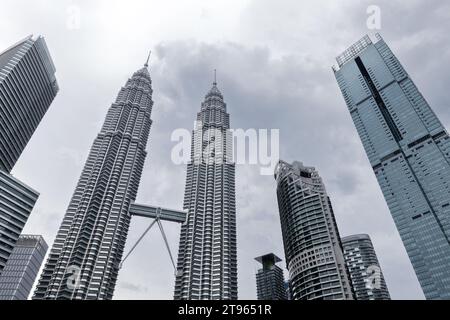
x,y
274,63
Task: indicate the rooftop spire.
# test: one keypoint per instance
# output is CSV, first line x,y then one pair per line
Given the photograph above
x,y
148,58
214,91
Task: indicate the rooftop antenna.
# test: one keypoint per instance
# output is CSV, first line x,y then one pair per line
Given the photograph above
x,y
148,58
215,77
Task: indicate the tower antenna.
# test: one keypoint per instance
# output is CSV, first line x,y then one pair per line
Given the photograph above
x,y
148,58
215,77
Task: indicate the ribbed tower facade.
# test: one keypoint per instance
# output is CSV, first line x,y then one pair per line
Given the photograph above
x,y
84,260
364,268
312,244
207,258
409,151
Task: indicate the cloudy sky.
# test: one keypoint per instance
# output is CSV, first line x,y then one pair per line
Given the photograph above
x,y
274,63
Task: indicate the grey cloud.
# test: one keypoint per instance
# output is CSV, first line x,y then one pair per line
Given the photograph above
x,y
133,287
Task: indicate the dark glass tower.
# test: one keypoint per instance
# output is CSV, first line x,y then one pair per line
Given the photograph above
x,y
364,268
312,245
270,283
27,88
207,262
22,268
409,151
84,260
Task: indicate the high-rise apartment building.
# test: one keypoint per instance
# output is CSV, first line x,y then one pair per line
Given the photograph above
x,y
207,258
20,272
364,268
312,244
84,260
270,284
409,151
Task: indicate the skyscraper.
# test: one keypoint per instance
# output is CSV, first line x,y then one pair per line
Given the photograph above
x,y
207,262
84,260
409,151
16,203
364,268
270,283
22,268
287,289
312,245
27,88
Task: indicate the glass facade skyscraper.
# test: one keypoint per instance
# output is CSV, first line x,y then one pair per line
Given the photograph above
x,y
84,260
409,151
313,250
207,257
364,268
22,268
270,283
27,88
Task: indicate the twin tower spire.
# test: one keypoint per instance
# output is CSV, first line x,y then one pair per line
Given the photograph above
x,y
148,59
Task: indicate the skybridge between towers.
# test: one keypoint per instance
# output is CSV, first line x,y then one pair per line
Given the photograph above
x,y
158,214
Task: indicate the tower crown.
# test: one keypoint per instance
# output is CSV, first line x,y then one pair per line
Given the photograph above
x,y
143,72
214,91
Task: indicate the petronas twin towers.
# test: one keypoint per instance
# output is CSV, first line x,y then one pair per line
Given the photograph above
x,y
84,260
207,266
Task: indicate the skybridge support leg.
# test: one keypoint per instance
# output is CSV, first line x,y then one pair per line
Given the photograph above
x,y
167,244
137,242
158,214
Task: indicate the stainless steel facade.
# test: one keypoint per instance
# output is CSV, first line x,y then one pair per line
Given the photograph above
x,y
409,151
365,270
16,203
27,88
312,245
207,261
270,284
84,260
20,272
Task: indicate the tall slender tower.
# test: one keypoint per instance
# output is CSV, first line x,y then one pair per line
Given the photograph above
x,y
409,151
207,263
28,86
84,260
364,268
312,244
